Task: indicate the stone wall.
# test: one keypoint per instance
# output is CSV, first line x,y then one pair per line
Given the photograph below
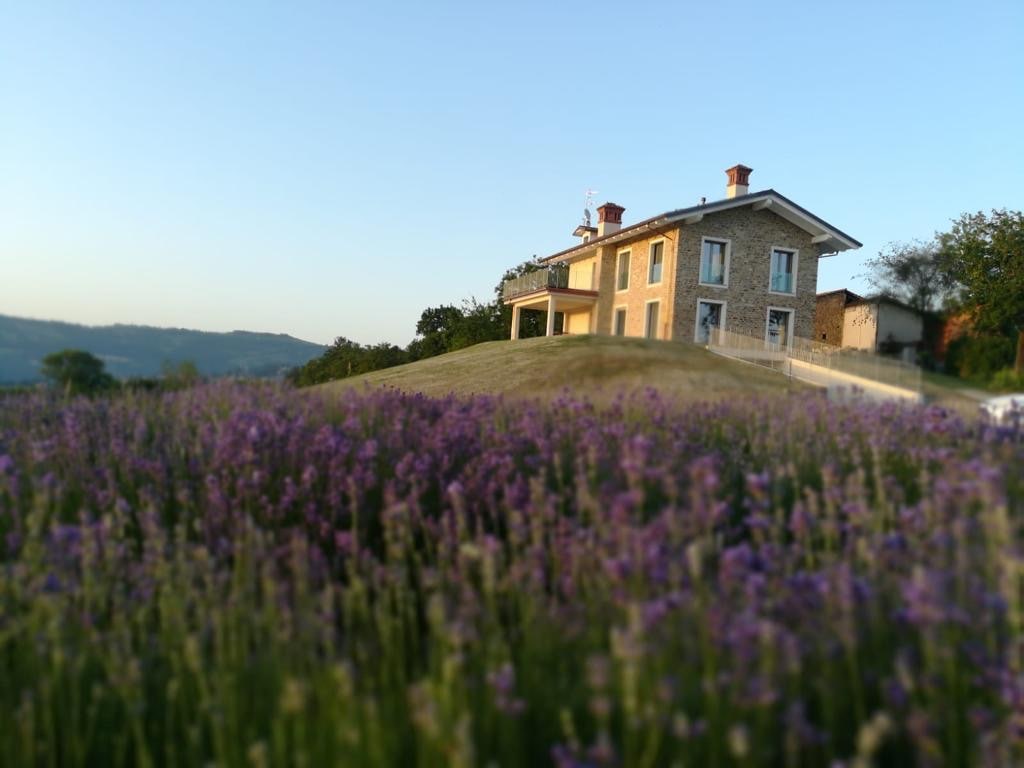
x,y
752,235
828,318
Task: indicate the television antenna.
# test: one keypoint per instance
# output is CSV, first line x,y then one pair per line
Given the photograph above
x,y
588,201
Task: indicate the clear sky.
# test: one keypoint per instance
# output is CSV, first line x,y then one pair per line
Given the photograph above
x,y
333,169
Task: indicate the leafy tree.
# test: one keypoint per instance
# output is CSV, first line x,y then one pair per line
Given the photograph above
x,y
913,273
382,355
347,358
77,372
437,328
447,328
180,375
983,255
480,322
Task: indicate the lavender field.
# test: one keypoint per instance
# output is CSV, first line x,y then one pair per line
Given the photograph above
x,y
247,576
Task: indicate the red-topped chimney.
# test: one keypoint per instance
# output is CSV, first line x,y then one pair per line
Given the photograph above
x,y
739,176
609,219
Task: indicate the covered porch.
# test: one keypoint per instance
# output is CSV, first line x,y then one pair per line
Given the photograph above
x,y
575,305
548,290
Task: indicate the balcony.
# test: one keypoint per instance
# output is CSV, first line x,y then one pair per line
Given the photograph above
x,y
553,277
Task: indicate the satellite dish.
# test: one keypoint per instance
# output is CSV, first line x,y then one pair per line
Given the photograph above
x,y
586,217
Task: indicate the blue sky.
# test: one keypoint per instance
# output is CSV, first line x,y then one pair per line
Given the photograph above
x,y
333,169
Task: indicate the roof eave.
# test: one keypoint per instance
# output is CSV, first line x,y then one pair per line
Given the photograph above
x,y
823,233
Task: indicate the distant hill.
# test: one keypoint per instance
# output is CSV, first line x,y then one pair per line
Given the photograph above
x,y
137,350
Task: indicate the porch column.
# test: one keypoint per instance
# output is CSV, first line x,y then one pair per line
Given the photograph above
x,y
515,321
551,315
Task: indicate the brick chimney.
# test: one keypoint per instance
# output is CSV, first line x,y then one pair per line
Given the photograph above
x,y
609,219
739,176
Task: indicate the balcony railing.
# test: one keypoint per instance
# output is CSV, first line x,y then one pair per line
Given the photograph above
x,y
553,277
782,282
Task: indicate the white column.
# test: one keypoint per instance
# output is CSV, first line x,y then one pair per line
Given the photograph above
x,y
515,321
551,315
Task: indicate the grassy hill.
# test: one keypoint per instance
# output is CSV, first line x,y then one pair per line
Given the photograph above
x,y
135,350
599,366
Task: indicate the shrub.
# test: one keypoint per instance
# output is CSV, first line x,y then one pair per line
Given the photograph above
x,y
980,357
1008,379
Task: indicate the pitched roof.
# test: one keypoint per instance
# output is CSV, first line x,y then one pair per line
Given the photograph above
x,y
850,295
884,298
769,198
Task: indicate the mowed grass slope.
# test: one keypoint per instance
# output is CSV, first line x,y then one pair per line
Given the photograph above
x,y
599,367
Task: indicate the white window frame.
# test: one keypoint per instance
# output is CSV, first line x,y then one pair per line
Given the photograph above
x,y
725,309
647,318
650,248
618,264
792,324
725,269
796,267
625,319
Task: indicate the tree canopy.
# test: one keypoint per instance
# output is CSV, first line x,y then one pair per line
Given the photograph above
x,y
913,273
983,255
77,372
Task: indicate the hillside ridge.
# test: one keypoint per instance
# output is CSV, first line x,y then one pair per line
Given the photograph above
x,y
140,350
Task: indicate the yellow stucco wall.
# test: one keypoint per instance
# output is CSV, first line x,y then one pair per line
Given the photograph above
x,y
577,322
583,274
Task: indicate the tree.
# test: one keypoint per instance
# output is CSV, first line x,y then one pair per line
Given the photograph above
x,y
913,273
180,375
346,358
479,323
77,372
437,327
984,257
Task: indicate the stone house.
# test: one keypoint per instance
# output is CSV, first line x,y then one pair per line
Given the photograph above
x,y
747,263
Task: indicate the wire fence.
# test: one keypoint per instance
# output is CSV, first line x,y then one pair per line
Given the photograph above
x,y
842,363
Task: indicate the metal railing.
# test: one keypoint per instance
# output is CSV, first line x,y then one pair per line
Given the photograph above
x,y
845,362
782,282
552,277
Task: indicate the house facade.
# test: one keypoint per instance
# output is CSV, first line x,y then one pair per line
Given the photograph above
x,y
747,263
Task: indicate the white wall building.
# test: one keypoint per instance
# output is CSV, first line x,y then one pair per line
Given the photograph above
x,y
869,323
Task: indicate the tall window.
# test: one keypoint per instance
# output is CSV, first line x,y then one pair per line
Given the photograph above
x,y
651,321
709,315
622,273
654,262
783,271
620,322
779,328
714,262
